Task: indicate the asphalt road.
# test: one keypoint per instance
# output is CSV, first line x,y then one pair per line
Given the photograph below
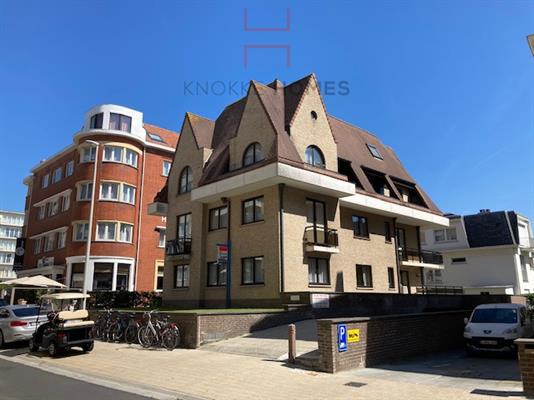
x,y
20,382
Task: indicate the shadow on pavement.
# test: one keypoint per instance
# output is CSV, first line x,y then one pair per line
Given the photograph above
x,y
457,364
497,393
306,331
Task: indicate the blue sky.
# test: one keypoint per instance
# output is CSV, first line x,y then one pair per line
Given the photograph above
x,y
448,84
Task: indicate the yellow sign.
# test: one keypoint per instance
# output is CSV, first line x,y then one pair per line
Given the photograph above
x,y
353,335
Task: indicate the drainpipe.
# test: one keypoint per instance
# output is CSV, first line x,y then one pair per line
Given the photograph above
x,y
229,259
281,187
397,254
139,221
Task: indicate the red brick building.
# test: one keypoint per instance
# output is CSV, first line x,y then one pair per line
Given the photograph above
x,y
127,244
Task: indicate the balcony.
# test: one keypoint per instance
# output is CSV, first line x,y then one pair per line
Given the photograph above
x,y
320,239
421,258
178,247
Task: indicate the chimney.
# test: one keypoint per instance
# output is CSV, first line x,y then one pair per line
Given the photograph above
x,y
484,211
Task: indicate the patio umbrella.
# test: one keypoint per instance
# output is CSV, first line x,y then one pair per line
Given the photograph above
x,y
29,282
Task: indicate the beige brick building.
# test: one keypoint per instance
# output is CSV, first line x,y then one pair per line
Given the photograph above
x,y
307,202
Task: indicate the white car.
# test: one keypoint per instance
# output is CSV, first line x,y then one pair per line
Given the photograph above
x,y
494,327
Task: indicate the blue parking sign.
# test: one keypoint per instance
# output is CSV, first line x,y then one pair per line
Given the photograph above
x,y
342,337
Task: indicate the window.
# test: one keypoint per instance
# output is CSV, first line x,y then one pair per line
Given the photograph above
x,y
85,191
128,194
58,174
42,212
181,276
318,271
314,156
218,218
253,210
88,154
159,277
69,168
364,276
96,121
184,226
120,154
106,231
6,258
313,115
123,276
387,231
130,158
113,153
126,233
53,207
445,235
119,122
44,181
109,191
253,154
186,180
103,276
49,242
65,202
216,274
76,281
37,246
162,237
360,226
61,239
459,260
166,168
374,151
252,270
155,137
10,232
391,278
316,215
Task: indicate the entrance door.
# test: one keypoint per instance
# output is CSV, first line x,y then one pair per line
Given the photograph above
x,y
405,282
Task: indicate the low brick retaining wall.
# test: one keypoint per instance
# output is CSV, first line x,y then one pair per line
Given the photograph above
x,y
386,338
198,328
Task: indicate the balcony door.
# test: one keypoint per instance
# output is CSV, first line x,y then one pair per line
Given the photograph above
x,y
316,219
401,243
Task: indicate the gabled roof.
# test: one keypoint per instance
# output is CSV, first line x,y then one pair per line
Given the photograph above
x,y
281,104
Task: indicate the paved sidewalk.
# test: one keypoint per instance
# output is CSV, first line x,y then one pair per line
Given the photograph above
x,y
214,375
269,343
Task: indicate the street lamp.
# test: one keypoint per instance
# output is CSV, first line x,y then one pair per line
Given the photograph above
x,y
90,228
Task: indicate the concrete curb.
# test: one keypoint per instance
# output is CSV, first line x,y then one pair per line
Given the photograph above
x,y
152,392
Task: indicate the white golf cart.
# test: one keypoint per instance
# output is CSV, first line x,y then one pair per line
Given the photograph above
x,y
67,326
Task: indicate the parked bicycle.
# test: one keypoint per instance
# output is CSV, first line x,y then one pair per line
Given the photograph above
x,y
158,332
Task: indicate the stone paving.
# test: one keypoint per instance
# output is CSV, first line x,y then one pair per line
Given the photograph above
x,y
199,374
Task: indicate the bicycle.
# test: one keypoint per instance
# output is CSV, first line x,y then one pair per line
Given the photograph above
x,y
161,332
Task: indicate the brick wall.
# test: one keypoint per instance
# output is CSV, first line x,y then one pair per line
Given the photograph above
x,y
525,351
386,338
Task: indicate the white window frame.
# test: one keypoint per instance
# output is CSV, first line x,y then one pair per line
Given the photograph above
x,y
107,237
53,207
88,154
84,225
113,149
109,191
166,168
65,202
69,168
447,235
49,242
45,180
57,175
61,239
79,190
122,195
119,237
162,237
41,214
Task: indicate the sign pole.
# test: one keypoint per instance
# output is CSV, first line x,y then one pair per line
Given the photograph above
x,y
229,275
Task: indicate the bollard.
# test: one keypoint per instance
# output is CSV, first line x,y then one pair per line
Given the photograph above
x,y
292,342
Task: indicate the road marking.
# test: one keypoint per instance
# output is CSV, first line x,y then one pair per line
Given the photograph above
x,y
134,388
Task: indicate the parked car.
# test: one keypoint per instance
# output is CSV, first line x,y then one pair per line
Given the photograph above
x,y
494,327
66,326
18,322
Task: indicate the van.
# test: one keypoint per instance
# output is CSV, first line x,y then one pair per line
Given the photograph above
x,y
494,327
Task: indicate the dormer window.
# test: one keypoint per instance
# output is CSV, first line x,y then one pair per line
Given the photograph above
x,y
315,157
155,137
374,151
96,121
119,122
253,154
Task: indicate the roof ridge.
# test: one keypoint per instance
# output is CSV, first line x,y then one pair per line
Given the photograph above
x,y
200,116
159,127
356,126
